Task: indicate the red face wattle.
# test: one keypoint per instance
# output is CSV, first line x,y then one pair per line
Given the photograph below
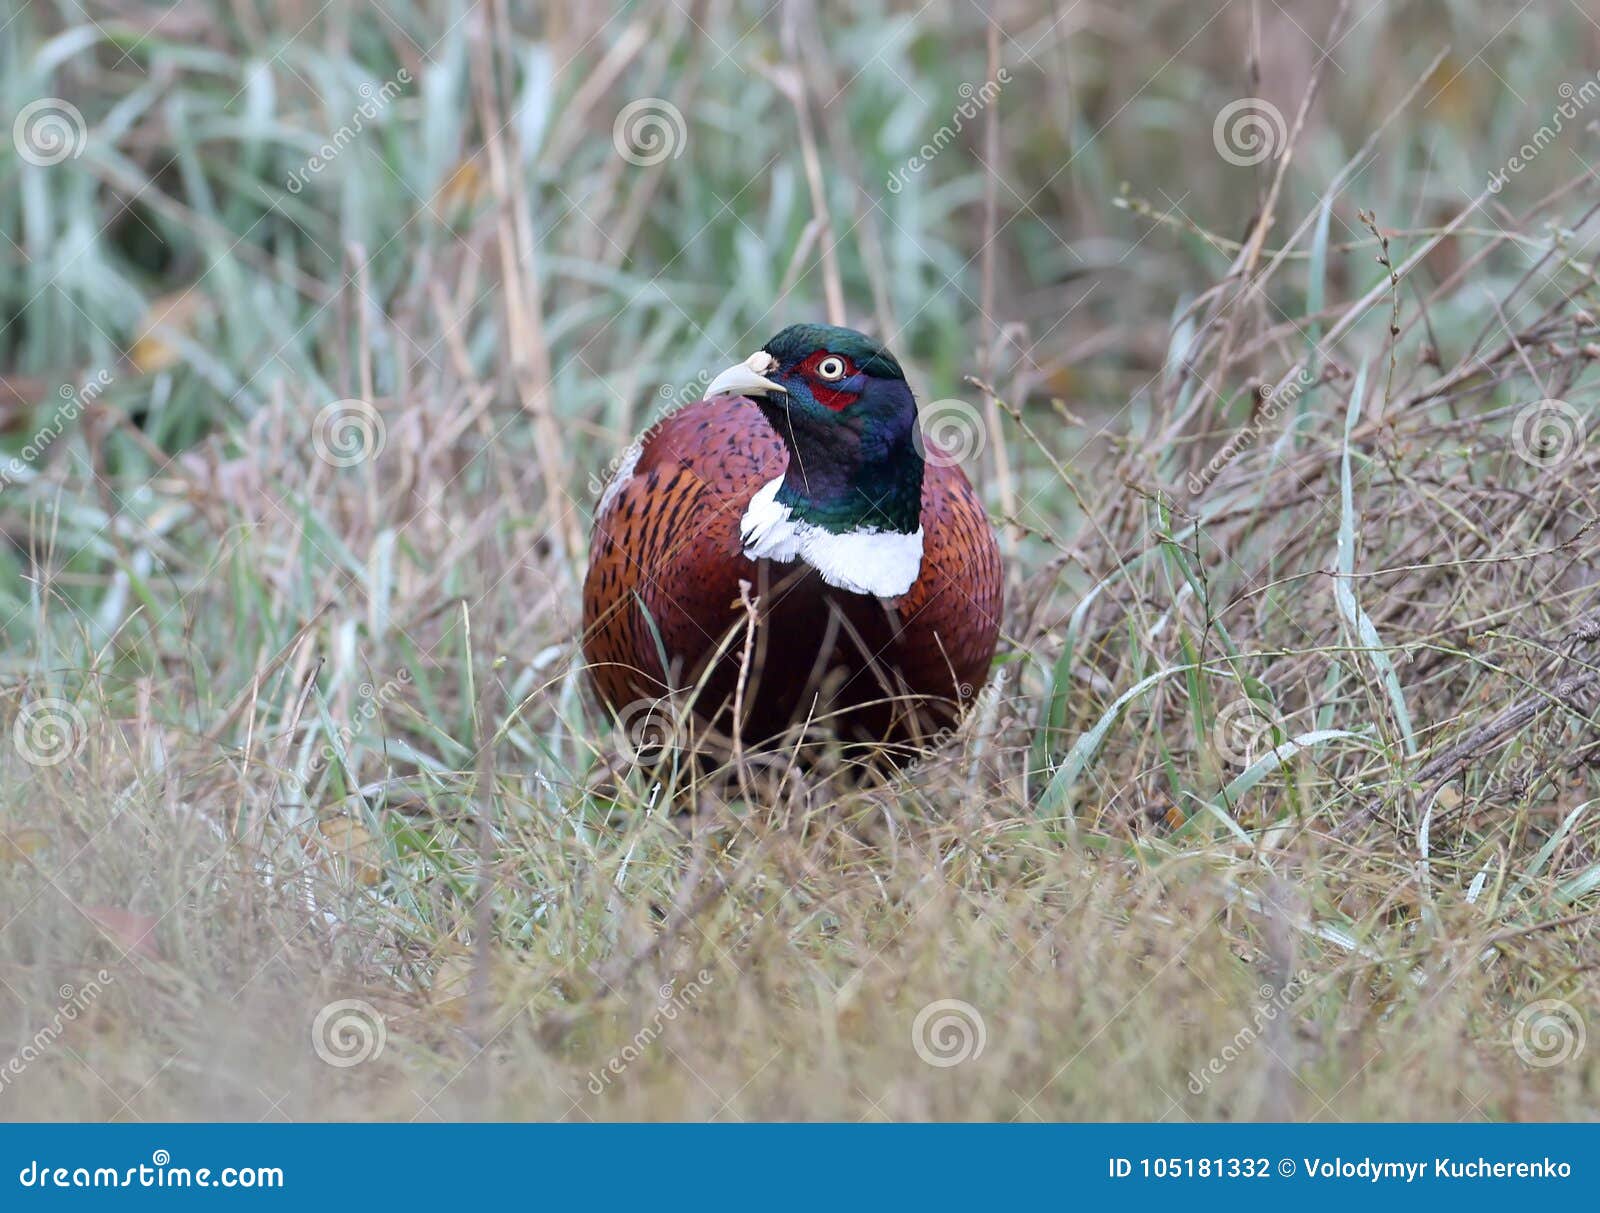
x,y
832,379
841,405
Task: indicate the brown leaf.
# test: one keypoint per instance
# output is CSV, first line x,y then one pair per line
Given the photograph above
x,y
348,840
18,846
129,930
166,318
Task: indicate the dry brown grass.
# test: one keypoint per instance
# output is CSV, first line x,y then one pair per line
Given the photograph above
x,y
325,736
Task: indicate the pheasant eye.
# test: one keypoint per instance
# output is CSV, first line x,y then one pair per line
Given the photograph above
x,y
831,367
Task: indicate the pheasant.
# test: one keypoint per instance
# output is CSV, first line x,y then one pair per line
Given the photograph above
x,y
783,554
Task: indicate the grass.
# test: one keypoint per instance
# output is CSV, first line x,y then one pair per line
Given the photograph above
x,y
1280,802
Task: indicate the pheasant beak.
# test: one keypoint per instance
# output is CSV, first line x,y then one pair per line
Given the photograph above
x,y
747,378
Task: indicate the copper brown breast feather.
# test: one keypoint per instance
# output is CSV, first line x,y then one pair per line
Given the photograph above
x,y
783,546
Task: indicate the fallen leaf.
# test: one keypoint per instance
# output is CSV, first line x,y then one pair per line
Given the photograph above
x,y
17,846
451,981
348,840
465,188
167,317
127,929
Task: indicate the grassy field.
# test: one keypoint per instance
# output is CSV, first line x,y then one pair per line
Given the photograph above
x,y
1268,334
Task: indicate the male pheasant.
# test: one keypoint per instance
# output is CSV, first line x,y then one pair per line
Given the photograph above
x,y
873,581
